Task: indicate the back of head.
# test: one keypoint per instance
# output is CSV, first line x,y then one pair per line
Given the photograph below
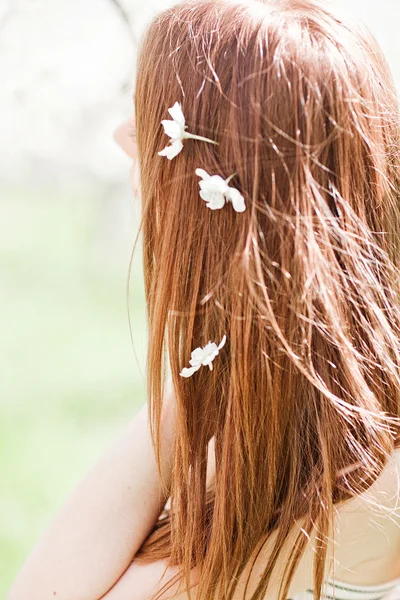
x,y
304,400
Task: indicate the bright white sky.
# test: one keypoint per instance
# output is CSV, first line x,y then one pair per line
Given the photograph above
x,y
62,65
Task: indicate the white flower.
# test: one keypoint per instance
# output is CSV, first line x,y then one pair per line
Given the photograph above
x,y
202,356
176,131
216,191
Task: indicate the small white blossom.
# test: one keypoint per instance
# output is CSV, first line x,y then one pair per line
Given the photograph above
x,y
216,191
202,356
176,130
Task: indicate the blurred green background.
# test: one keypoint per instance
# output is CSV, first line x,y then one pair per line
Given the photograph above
x,y
71,376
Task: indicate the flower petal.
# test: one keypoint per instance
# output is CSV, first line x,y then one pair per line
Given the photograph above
x,y
197,354
172,129
194,362
172,150
214,201
215,183
189,372
237,199
213,206
203,174
222,342
176,113
210,348
208,360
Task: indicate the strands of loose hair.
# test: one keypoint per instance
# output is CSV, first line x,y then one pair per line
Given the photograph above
x,y
302,405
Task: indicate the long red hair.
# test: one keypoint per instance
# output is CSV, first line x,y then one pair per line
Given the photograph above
x,y
303,400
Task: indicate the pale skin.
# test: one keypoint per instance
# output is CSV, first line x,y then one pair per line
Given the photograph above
x,y
88,551
94,537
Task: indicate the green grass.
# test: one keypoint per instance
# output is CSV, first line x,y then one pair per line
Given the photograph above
x,y
69,376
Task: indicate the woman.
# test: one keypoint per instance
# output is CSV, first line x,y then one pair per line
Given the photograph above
x,y
268,143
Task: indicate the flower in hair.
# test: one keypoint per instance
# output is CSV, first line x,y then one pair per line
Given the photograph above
x,y
216,191
176,131
202,356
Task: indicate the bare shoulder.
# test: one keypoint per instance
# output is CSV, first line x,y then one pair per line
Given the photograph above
x,y
367,530
383,494
141,581
366,544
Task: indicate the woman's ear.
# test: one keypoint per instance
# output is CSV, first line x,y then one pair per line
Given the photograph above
x,y
125,138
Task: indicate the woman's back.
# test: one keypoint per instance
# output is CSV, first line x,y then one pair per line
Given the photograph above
x,y
366,546
368,531
366,541
365,553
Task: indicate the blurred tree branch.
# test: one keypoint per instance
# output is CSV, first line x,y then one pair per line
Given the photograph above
x,y
5,15
126,86
125,17
12,7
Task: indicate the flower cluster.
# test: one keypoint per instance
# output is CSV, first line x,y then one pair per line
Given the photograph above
x,y
202,356
216,192
176,130
214,189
